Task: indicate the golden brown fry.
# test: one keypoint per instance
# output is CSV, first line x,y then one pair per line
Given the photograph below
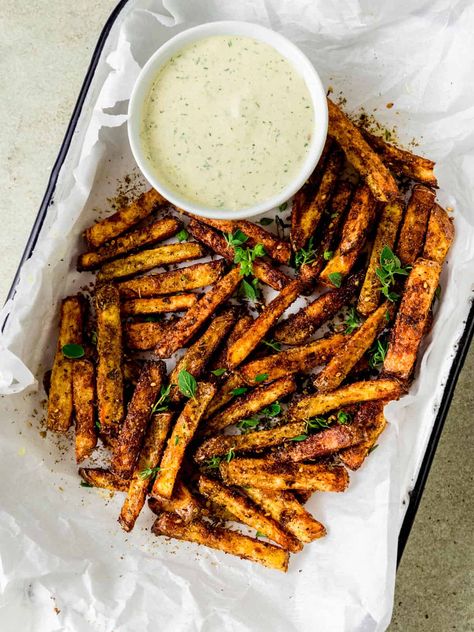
x,y
98,477
225,393
341,363
83,395
358,222
109,368
127,446
180,280
387,229
248,404
182,503
270,474
242,347
196,357
375,423
411,319
159,230
242,324
361,155
145,336
247,513
412,232
148,460
60,391
283,507
183,432
312,405
123,219
305,219
170,303
225,540
439,235
299,327
195,317
263,270
296,360
149,259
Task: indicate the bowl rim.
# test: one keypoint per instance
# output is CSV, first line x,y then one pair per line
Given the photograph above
x,y
284,47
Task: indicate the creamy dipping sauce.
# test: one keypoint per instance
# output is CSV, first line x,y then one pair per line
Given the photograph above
x,y
227,122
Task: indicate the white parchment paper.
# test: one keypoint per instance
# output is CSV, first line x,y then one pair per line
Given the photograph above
x,y
65,563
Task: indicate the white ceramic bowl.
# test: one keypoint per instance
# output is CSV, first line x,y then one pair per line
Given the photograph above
x,y
288,50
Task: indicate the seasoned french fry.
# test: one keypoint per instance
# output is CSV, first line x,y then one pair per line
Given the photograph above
x,y
123,219
341,363
411,319
403,162
149,259
270,474
196,357
439,235
60,391
375,423
299,327
387,228
148,460
98,477
247,513
183,432
242,347
169,303
195,317
263,270
109,368
305,219
131,370
159,230
83,395
412,232
145,336
242,324
222,539
361,155
283,507
225,393
250,403
182,503
127,446
180,280
358,221
223,444
312,405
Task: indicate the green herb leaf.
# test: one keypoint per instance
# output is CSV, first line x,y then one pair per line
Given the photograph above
x,y
93,338
250,290
73,351
390,267
248,424
176,440
377,353
372,448
305,256
352,321
147,472
246,256
230,455
335,278
343,418
218,372
283,207
261,377
328,255
97,424
182,235
271,411
301,437
187,383
239,391
236,239
259,534
273,344
317,423
162,403
212,463
438,292
84,484
265,221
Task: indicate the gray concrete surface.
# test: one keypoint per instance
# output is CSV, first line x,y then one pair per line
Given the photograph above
x,y
45,49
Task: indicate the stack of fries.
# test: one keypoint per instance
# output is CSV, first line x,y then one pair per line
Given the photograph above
x,y
260,410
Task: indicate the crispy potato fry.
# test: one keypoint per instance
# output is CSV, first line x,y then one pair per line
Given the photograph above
x,y
375,423
225,393
306,218
283,507
386,234
145,336
242,324
412,232
342,362
299,327
197,355
361,155
158,230
312,405
249,403
182,503
159,305
123,219
225,540
195,317
150,456
439,235
403,162
183,432
358,222
83,396
247,513
267,473
149,259
242,347
263,270
411,319
296,360
109,368
180,280
131,370
60,391
98,477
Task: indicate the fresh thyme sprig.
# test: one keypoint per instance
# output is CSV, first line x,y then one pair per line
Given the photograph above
x,y
390,267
